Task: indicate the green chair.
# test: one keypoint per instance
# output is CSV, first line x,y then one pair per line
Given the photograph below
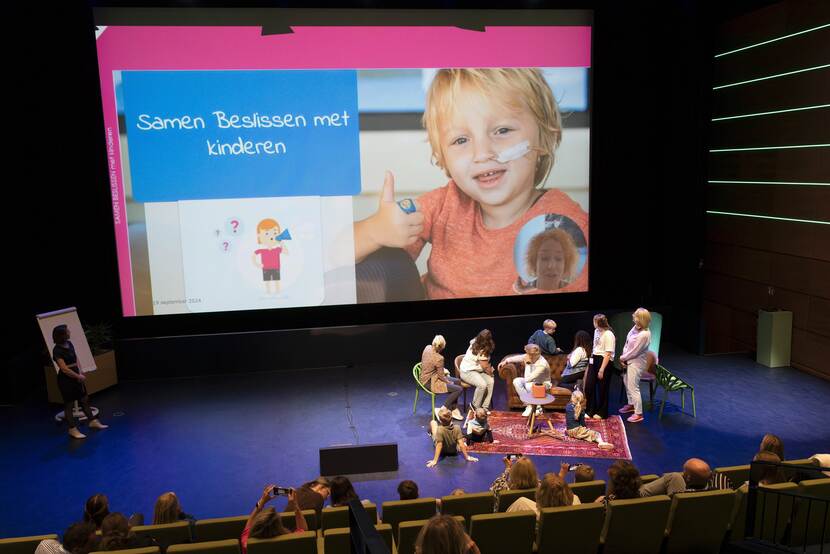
x,y
672,383
636,526
571,529
23,545
811,516
292,543
220,528
698,521
467,505
338,541
334,518
145,550
289,520
588,491
396,511
416,374
229,546
508,497
167,533
511,533
738,475
408,534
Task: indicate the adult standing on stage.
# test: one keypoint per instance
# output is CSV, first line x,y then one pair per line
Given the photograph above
x,y
71,382
435,378
476,370
597,377
634,358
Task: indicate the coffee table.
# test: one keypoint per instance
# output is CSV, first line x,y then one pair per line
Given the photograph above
x,y
528,398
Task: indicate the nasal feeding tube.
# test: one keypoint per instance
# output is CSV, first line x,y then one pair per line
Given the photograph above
x,y
514,152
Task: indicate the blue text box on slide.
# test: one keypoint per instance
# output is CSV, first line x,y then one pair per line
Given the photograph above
x,y
241,134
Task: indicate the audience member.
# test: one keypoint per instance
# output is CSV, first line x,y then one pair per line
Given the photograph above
x,y
696,476
342,491
577,360
447,438
768,474
551,492
444,535
772,443
78,539
116,534
97,507
518,474
458,492
543,338
408,490
623,482
310,496
168,510
266,523
584,473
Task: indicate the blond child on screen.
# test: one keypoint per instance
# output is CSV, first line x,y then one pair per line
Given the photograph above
x,y
494,133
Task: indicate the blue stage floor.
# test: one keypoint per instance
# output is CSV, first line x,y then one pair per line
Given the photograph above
x,y
217,441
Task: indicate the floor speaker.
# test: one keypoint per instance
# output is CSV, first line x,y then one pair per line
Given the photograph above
x,y
369,458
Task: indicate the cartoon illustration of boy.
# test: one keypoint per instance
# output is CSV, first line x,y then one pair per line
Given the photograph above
x,y
267,233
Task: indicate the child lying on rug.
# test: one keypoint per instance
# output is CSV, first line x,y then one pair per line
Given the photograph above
x,y
447,438
477,426
575,423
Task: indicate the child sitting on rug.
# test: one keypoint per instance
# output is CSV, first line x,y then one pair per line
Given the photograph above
x,y
575,422
478,428
447,437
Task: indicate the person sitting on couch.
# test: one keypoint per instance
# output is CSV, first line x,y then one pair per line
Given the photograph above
x,y
537,371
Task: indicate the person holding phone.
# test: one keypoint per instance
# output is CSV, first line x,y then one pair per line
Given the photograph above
x,y
266,523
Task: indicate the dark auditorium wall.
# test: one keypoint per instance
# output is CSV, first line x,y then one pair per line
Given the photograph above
x,y
753,263
651,99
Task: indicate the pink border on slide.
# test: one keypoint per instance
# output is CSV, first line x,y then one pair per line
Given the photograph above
x,y
183,48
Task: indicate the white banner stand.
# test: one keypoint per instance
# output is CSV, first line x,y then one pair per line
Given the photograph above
x,y
86,362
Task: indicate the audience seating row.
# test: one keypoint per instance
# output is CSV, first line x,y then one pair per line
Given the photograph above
x,y
687,522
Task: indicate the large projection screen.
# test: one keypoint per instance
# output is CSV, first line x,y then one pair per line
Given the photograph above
x,y
343,160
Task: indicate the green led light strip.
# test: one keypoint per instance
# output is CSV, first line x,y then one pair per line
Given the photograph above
x,y
805,31
773,76
772,112
770,148
797,183
758,216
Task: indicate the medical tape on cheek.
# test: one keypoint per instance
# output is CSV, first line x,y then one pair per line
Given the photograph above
x,y
514,152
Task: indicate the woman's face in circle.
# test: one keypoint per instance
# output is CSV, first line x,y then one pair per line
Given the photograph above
x,y
550,265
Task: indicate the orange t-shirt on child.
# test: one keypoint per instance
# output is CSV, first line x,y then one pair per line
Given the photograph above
x,y
467,258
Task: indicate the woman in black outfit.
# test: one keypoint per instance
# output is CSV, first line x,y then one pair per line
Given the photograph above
x,y
71,382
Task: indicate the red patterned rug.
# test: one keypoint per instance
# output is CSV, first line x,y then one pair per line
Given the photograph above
x,y
510,430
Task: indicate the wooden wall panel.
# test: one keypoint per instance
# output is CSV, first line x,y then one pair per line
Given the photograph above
x,y
819,317
804,164
808,50
811,352
805,202
793,91
802,127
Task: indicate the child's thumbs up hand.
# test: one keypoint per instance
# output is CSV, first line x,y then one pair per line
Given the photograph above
x,y
391,225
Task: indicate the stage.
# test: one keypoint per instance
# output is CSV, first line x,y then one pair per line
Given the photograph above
x,y
216,441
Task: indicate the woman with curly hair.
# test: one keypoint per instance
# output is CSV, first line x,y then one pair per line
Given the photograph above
x,y
623,482
551,261
476,370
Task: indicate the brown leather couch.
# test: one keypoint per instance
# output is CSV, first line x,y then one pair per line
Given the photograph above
x,y
510,370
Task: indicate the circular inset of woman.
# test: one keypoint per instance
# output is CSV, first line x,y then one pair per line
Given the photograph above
x,y
546,254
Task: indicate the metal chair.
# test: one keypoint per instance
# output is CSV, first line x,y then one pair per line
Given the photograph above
x,y
416,374
672,383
